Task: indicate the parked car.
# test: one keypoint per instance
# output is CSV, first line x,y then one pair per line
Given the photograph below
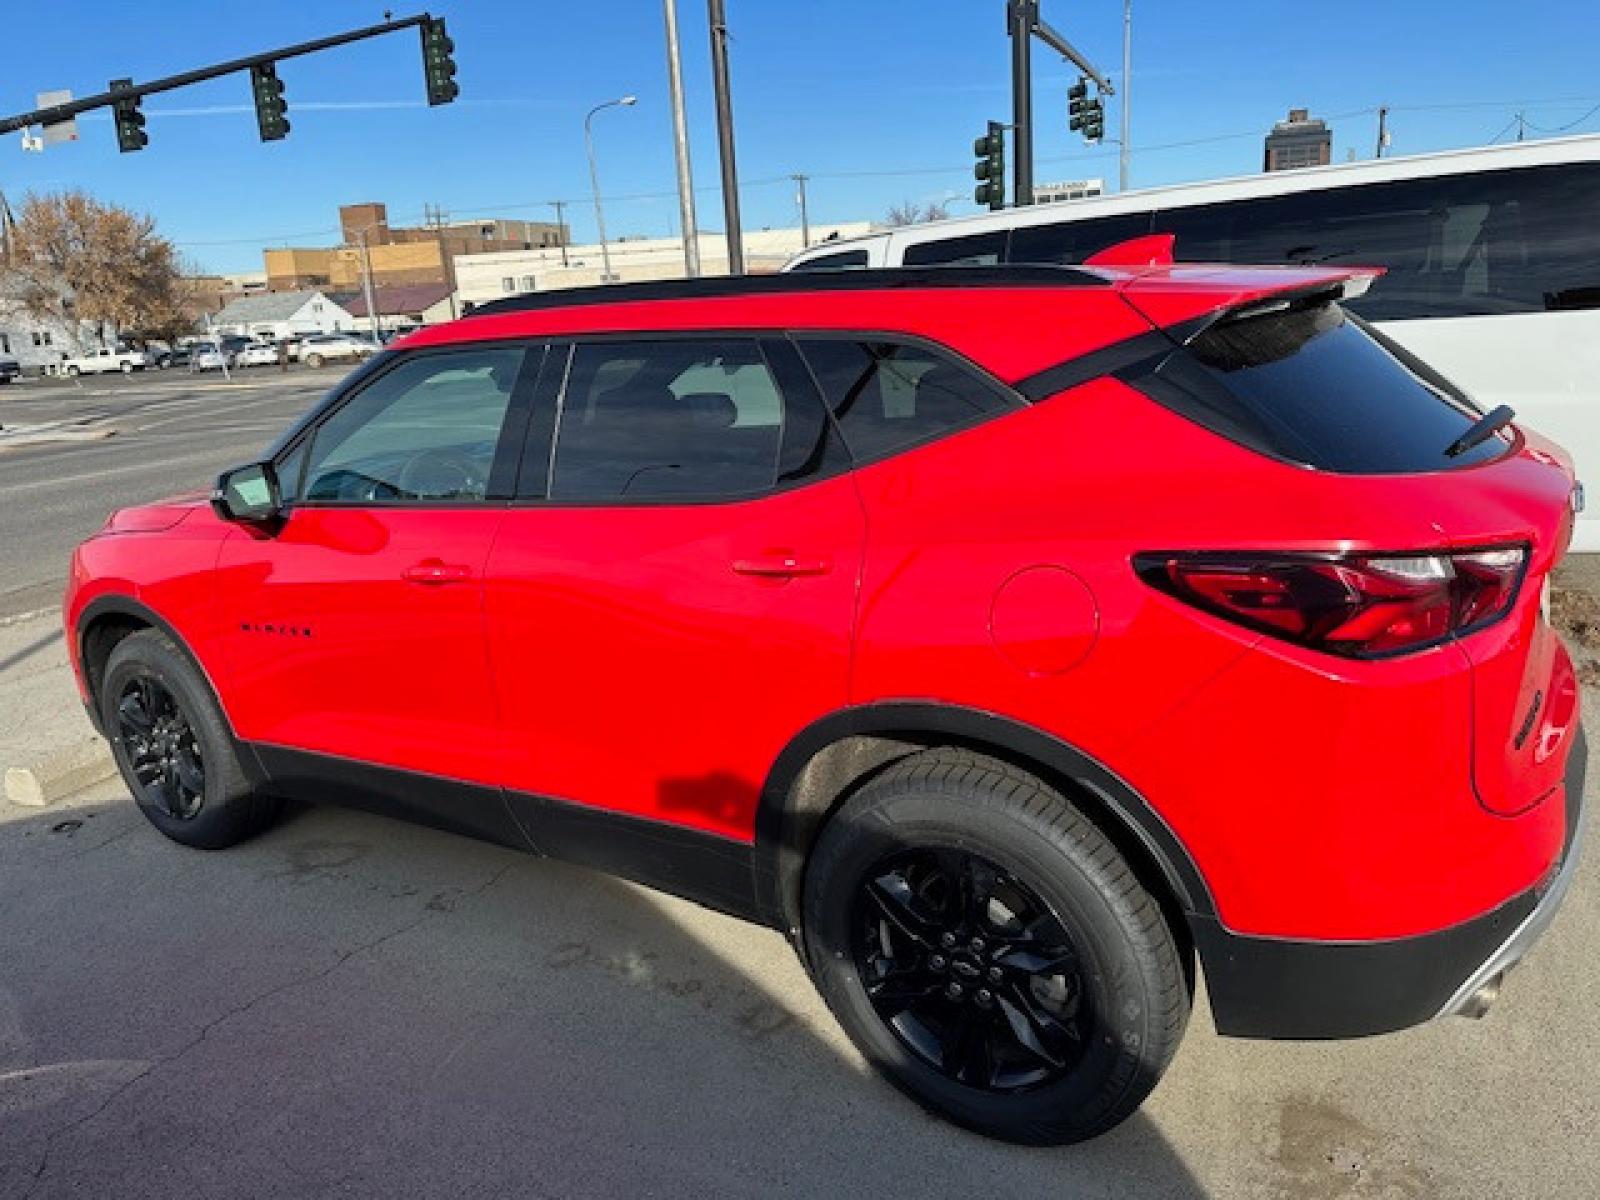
x,y
10,369
319,348
1023,642
173,356
103,361
208,358
257,354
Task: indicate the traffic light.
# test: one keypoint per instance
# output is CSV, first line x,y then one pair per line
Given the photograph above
x,y
271,107
1077,105
129,120
1084,115
1094,121
990,169
437,65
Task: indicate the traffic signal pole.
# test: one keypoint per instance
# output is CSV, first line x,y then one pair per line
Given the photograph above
x,y
1021,15
62,112
1023,23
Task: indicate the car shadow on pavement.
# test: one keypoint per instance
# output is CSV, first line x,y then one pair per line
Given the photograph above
x,y
351,1005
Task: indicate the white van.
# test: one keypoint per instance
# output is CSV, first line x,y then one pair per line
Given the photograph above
x,y
1493,258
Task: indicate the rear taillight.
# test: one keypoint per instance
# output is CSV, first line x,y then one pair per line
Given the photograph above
x,y
1358,606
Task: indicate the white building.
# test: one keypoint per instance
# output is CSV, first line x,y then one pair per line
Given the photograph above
x,y
280,315
40,343
484,277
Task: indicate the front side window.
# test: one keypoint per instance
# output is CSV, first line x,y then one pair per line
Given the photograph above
x,y
845,260
647,420
975,250
886,396
425,431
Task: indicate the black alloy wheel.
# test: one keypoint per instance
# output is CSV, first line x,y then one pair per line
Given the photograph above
x,y
973,972
162,748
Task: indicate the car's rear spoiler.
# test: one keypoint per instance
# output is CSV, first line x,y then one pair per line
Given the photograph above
x,y
1173,295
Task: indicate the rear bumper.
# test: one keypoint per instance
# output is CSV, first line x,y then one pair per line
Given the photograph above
x,y
1286,988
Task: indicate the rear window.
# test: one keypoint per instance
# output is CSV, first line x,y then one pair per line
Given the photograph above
x,y
1311,385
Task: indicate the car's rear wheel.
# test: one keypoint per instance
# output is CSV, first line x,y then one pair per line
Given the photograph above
x,y
74,371
173,747
313,360
127,368
990,951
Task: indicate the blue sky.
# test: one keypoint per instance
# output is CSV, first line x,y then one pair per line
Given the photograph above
x,y
877,100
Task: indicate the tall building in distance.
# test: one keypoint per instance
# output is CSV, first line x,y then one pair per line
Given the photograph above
x,y
1301,141
400,256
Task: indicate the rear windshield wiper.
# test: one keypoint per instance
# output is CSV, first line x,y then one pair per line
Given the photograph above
x,y
1484,428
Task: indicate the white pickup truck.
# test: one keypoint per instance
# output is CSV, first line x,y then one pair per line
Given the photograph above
x,y
99,362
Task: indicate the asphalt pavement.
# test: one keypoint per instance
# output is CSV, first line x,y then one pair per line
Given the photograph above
x,y
351,1006
168,432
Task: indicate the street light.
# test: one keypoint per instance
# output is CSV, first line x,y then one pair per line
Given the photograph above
x,y
594,177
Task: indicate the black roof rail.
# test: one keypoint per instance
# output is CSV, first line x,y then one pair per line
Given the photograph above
x,y
796,282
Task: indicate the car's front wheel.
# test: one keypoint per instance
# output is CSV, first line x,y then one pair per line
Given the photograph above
x,y
990,951
172,745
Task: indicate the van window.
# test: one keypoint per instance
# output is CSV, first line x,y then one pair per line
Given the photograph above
x,y
975,250
845,260
1074,241
886,396
1464,245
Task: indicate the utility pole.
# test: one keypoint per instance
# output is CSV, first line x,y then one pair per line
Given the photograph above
x,y
730,170
434,216
561,227
1383,129
1127,93
366,282
800,199
1022,23
1522,126
680,143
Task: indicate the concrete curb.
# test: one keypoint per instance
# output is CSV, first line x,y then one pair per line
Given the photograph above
x,y
61,773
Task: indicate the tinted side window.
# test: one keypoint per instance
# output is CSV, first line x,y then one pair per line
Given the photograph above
x,y
1074,241
425,431
1309,385
975,250
1493,242
845,260
887,395
644,420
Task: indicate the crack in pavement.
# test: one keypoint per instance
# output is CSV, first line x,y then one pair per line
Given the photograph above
x,y
428,914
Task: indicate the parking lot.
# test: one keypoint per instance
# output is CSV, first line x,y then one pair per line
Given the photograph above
x,y
352,1006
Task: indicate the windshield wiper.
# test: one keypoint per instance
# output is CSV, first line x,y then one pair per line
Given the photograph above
x,y
1484,428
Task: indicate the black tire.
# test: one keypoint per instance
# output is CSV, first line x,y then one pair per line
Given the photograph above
x,y
1132,991
225,809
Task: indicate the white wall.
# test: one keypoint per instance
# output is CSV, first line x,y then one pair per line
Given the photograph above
x,y
482,277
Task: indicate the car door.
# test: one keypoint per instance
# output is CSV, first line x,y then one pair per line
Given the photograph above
x,y
671,599
356,629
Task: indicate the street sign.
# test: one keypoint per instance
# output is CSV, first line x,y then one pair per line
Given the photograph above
x,y
61,131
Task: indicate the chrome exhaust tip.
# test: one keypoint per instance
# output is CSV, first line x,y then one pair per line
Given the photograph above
x,y
1478,1004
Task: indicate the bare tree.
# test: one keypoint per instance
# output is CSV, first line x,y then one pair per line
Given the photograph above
x,y
76,259
909,212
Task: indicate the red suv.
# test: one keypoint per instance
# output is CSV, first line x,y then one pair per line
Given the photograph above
x,y
1022,642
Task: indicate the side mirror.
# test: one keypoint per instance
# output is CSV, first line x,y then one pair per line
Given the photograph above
x,y
249,495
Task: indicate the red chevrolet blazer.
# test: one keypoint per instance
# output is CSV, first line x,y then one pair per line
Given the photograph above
x,y
1022,642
